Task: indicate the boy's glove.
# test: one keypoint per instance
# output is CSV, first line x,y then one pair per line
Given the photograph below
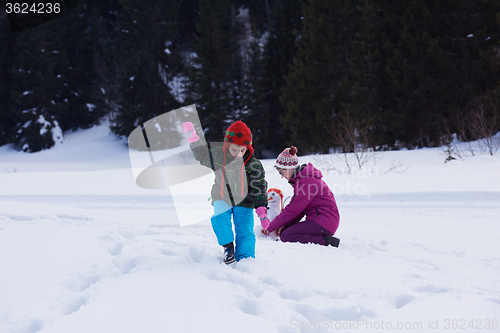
x,y
188,127
262,214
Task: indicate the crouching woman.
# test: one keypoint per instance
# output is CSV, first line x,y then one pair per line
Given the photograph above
x,y
312,198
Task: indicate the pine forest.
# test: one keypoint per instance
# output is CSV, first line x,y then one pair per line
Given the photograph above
x,y
323,75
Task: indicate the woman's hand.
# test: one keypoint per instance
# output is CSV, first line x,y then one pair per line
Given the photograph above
x,y
277,232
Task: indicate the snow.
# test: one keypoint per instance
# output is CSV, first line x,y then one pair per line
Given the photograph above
x,y
90,107
83,249
177,88
45,125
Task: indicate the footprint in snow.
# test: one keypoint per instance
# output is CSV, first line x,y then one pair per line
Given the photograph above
x,y
127,234
73,305
402,300
196,254
170,252
433,289
332,295
244,265
250,287
29,325
272,281
424,265
378,248
81,282
116,248
318,314
80,218
293,294
126,265
250,306
20,218
415,276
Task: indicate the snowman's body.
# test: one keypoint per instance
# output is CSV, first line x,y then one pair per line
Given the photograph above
x,y
274,203
275,206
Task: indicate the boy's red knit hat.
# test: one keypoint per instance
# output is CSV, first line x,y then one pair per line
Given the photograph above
x,y
239,133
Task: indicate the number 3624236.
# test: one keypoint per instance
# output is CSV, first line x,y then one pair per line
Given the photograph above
x,y
35,8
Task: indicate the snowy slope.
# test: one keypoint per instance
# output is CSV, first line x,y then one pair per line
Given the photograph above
x,y
83,249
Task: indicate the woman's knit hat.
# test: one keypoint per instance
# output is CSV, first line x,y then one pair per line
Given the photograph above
x,y
287,159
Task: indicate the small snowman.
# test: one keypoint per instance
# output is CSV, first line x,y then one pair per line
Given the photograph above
x,y
275,206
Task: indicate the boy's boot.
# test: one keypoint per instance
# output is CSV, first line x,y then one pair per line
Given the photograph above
x,y
330,240
229,253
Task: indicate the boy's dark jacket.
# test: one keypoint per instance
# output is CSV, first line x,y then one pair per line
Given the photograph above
x,y
212,156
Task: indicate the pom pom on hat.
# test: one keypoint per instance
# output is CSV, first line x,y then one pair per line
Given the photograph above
x,y
288,159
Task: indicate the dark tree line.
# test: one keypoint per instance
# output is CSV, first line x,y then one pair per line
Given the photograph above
x,y
291,69
400,66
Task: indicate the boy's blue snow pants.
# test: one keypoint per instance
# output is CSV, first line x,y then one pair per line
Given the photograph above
x,y
243,227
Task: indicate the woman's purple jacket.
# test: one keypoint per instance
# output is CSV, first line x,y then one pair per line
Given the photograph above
x,y
311,197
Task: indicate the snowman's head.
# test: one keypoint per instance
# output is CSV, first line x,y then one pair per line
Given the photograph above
x,y
275,198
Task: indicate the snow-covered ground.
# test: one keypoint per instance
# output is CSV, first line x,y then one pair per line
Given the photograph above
x,y
83,249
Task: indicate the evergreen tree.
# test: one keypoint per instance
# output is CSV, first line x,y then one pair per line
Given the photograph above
x,y
366,84
317,87
433,63
255,94
187,26
417,70
39,89
149,60
260,12
400,65
57,85
104,47
215,69
490,59
7,119
80,36
277,56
